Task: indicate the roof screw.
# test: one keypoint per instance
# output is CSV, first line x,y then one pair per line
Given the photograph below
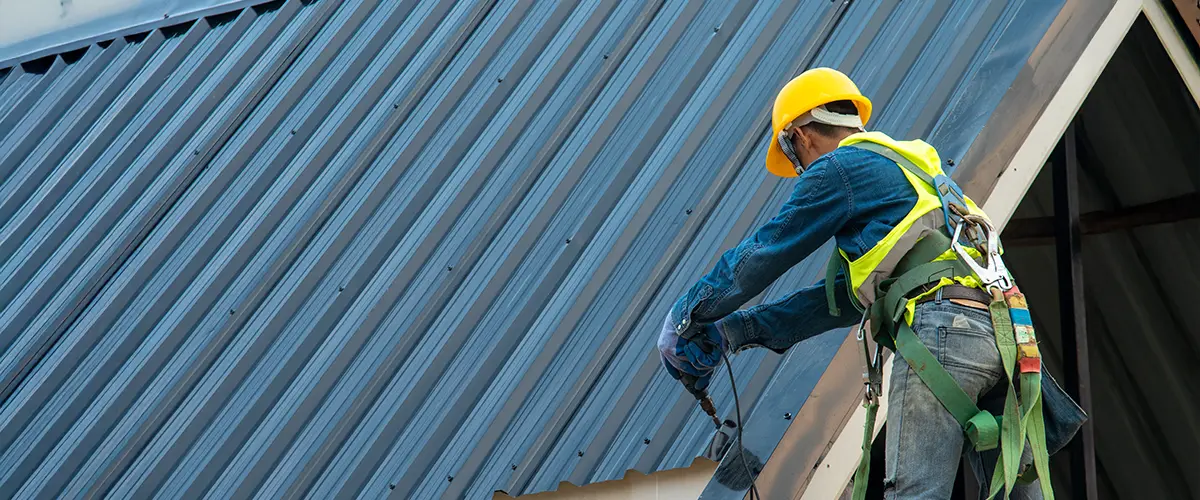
x,y
500,80
716,29
568,240
449,478
514,467
395,106
449,268
166,16
342,288
950,161
688,211
581,453
231,311
646,441
787,416
391,486
195,152
293,131
606,56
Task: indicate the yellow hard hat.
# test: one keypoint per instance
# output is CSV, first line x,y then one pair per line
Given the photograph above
x,y
815,87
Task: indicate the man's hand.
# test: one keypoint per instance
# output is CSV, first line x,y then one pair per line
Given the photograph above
x,y
691,361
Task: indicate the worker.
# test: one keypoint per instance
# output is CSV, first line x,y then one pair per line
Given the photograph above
x,y
890,209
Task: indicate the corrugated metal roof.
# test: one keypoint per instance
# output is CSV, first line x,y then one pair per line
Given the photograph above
x,y
419,248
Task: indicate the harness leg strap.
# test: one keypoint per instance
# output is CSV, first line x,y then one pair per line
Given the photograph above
x,y
980,426
864,462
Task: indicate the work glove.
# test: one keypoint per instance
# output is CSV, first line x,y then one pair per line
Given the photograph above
x,y
691,361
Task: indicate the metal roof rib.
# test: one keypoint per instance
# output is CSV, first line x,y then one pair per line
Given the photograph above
x,y
131,240
707,203
965,48
602,439
299,135
48,119
28,100
75,216
635,31
461,407
192,169
365,158
632,90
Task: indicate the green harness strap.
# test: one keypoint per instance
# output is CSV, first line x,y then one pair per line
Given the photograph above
x,y
864,462
980,426
836,262
1023,416
1013,434
924,251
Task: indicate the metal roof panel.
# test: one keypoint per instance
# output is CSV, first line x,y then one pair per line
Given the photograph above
x,y
418,249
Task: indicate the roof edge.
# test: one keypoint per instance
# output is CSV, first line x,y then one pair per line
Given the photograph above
x,y
136,29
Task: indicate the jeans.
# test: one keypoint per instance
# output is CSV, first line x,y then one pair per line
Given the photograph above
x,y
924,441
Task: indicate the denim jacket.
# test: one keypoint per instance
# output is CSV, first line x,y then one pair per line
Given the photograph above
x,y
853,196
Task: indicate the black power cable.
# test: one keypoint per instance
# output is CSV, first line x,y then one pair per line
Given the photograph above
x,y
741,450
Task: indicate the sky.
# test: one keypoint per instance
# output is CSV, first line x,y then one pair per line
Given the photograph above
x,y
27,26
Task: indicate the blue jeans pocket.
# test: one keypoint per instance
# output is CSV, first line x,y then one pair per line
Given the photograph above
x,y
970,349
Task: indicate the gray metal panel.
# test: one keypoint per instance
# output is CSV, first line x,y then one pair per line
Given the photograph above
x,y
323,249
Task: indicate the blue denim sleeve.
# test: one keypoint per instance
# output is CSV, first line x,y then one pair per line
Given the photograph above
x,y
797,317
819,206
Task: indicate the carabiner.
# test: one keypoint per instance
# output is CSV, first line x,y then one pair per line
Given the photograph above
x,y
993,274
872,367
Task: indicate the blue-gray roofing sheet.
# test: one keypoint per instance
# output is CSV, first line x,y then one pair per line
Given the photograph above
x,y
415,248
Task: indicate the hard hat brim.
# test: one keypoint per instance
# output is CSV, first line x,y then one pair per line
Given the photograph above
x,y
778,162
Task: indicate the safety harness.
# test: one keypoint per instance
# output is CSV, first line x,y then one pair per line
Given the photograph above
x,y
937,259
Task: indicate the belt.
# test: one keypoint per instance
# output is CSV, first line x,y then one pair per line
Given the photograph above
x,y
958,292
